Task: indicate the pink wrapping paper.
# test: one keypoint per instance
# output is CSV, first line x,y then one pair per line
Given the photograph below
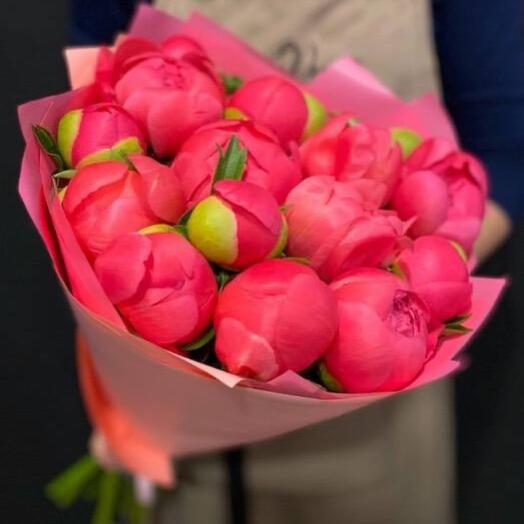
x,y
153,405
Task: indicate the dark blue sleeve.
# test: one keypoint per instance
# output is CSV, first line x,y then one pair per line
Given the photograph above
x,y
97,21
480,45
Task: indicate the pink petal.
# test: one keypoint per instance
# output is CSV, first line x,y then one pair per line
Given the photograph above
x,y
122,267
307,322
164,191
90,179
245,353
172,321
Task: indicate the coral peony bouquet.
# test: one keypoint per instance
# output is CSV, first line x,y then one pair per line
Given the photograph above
x,y
246,254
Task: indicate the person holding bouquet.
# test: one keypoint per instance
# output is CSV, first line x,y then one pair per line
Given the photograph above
x,y
394,462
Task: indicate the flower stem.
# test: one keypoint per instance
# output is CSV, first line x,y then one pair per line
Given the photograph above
x,y
67,487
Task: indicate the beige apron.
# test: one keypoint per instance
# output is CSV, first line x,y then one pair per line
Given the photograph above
x,y
391,463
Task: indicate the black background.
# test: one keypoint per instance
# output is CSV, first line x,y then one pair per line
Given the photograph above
x,y
43,422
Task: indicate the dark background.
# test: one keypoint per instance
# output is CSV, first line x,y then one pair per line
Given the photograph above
x,y
43,423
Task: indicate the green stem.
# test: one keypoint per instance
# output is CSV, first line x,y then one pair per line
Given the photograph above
x,y
105,510
130,507
67,487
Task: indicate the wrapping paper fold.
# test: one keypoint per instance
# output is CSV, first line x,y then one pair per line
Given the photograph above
x,y
153,405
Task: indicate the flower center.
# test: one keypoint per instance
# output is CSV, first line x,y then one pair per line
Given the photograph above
x,y
406,315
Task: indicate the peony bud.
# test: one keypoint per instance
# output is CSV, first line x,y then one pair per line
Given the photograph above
x,y
266,164
170,89
407,139
331,226
317,116
353,152
239,225
108,199
280,106
438,273
381,343
275,316
160,284
183,47
424,197
450,202
96,133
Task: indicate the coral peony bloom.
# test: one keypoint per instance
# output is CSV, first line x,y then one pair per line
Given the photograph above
x,y
439,275
171,90
132,50
161,285
107,199
423,196
445,190
280,106
96,133
275,316
382,335
267,164
331,226
238,225
352,152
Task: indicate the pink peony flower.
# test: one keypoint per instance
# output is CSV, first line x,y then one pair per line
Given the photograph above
x,y
132,50
238,225
107,199
280,106
171,89
424,197
267,164
161,285
356,153
331,226
98,132
439,275
381,343
275,316
445,190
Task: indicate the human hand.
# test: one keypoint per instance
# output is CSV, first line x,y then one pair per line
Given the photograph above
x,y
496,228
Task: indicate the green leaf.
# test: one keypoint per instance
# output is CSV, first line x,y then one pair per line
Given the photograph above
x,y
396,270
207,337
184,219
222,278
47,142
232,163
454,330
456,327
180,228
68,486
459,319
106,505
67,174
231,83
328,380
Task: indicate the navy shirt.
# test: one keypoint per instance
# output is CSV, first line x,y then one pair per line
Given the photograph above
x,y
97,21
480,44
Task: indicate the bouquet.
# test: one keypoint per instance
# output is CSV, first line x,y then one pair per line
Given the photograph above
x,y
245,254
